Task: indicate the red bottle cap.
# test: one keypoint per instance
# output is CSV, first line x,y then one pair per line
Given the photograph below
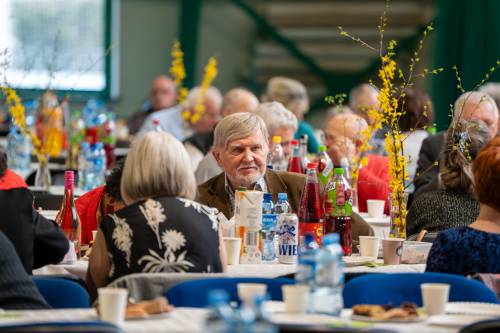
x,y
311,165
295,142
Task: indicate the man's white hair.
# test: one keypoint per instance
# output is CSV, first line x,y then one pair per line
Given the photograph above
x,y
475,97
276,116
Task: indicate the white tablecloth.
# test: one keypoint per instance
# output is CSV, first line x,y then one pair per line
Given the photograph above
x,y
191,320
266,270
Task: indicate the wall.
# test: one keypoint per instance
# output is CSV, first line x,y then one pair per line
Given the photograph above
x,y
148,28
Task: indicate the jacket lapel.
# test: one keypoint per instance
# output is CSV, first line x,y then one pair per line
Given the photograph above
x,y
218,197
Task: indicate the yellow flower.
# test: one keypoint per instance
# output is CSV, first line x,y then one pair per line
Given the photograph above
x,y
178,71
210,75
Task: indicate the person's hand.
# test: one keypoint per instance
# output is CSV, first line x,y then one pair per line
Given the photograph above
x,y
341,147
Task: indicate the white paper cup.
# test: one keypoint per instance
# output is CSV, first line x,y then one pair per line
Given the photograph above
x,y
248,291
375,208
296,297
94,233
112,304
233,246
369,246
392,250
435,297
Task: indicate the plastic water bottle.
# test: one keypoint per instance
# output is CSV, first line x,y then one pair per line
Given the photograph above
x,y
306,269
282,206
277,159
220,315
261,323
83,164
18,151
100,164
344,164
269,223
327,295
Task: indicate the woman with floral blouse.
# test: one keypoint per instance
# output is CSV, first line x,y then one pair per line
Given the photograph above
x,y
161,229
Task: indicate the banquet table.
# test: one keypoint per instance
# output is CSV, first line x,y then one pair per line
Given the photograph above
x,y
192,320
265,270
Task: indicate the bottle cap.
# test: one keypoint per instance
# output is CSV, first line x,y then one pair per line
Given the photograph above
x,y
295,143
282,196
156,122
268,197
331,239
242,188
339,171
322,148
308,238
69,177
311,165
277,139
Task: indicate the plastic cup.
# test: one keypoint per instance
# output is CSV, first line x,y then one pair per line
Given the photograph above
x,y
392,250
248,291
112,304
233,246
435,297
94,233
296,298
375,208
369,246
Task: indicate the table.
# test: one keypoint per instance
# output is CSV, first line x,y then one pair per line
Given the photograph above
x,y
58,190
192,320
380,225
266,270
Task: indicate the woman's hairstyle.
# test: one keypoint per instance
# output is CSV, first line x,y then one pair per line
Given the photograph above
x,y
238,126
276,116
3,160
417,109
486,169
113,180
291,93
463,140
157,165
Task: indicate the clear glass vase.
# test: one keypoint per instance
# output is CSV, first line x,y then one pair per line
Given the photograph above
x,y
397,205
42,176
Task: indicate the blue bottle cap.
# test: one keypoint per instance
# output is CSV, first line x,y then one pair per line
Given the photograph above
x,y
308,238
282,196
217,296
331,239
268,197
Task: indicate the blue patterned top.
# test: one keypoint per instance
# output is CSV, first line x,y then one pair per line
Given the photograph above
x,y
465,250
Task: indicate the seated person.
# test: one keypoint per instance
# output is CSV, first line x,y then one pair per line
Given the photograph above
x,y
38,241
475,248
163,96
293,95
342,138
235,100
241,149
17,291
161,229
453,204
468,106
94,205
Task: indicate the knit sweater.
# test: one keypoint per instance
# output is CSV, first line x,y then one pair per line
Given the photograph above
x,y
441,209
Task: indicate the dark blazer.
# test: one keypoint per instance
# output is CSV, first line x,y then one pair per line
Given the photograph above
x,y
430,152
17,290
38,241
213,193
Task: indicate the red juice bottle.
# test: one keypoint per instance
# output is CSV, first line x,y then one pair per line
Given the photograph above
x,y
295,162
338,210
311,208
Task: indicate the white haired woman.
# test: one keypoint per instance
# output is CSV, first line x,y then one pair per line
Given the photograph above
x,y
161,229
279,122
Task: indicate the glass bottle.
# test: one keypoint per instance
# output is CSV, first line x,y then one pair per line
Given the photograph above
x,y
338,210
311,208
295,162
68,218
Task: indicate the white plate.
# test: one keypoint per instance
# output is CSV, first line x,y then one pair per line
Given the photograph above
x,y
473,308
357,261
454,320
391,320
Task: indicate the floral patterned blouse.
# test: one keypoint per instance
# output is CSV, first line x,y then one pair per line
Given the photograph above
x,y
164,234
